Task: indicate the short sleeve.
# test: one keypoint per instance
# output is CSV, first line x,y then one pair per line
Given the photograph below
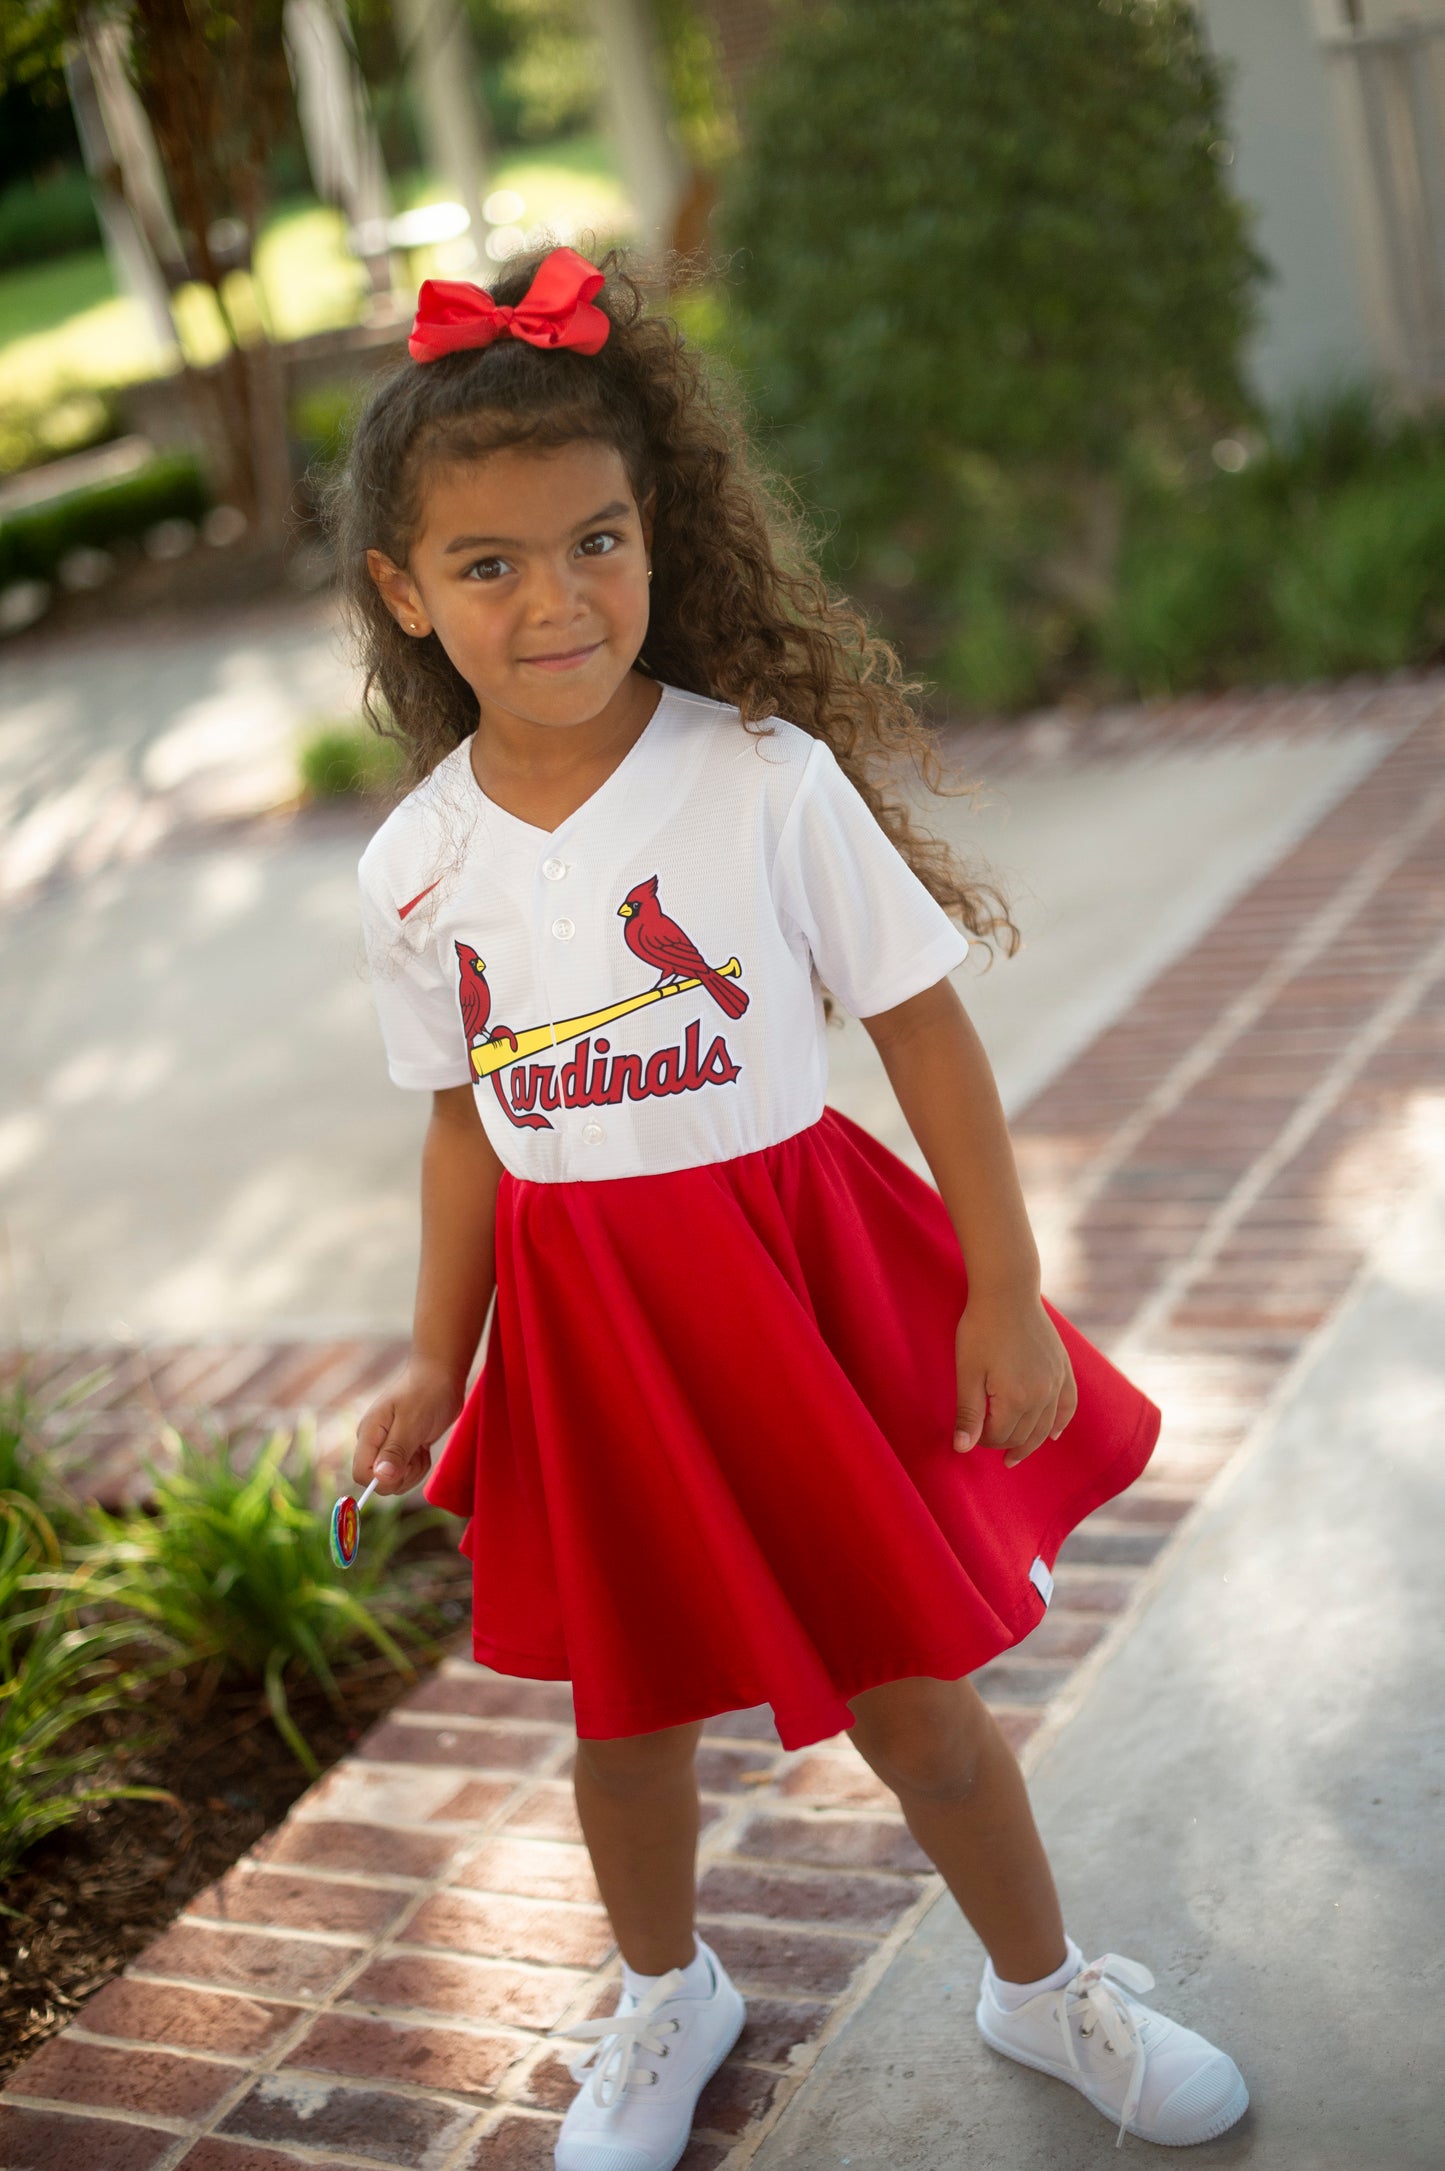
x,y
421,1024
876,933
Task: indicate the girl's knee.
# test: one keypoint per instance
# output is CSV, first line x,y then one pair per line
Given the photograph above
x,y
636,1763
923,1738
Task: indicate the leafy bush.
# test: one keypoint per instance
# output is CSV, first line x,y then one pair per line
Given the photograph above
x,y
44,219
1322,555
233,1572
35,539
971,233
322,421
31,1444
61,1672
341,758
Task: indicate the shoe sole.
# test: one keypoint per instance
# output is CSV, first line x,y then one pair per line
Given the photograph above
x,y
1231,2112
703,2081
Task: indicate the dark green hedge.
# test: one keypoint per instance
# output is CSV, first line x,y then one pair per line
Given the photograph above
x,y
34,540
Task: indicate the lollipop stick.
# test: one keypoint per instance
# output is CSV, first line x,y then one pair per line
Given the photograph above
x,y
371,1488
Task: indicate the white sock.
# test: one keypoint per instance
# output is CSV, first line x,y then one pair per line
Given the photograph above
x,y
1012,1995
696,1978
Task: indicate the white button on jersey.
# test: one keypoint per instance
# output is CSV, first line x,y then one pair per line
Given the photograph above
x,y
719,879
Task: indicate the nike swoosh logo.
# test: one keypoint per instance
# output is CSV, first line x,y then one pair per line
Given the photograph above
x,y
402,910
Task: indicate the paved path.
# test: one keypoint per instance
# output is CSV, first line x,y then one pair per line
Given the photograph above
x,y
1219,1162
198,1140
1246,1797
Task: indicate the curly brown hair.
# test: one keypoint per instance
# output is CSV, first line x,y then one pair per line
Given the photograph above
x,y
739,610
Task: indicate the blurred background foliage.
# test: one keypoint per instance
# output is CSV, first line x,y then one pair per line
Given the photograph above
x,y
980,274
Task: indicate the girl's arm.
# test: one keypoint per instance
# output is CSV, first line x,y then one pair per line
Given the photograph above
x,y
457,1274
1015,1383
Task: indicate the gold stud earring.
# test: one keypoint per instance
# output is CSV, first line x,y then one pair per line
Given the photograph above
x,y
649,572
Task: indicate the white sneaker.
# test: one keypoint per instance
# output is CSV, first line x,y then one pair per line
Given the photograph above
x,y
643,2078
1163,2082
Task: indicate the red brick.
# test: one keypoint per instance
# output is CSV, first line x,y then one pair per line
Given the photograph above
x,y
300,1903
516,2144
393,2050
776,2026
735,2096
486,1696
549,2086
1064,1635
536,1869
722,1769
832,1842
475,1990
372,2122
318,1843
213,2155
250,1959
53,2141
786,1959
862,1903
547,1810
65,2070
476,1802
836,1781
1014,1681
1016,1726
145,2012
755,1724
506,1927
1081,1590
468,1748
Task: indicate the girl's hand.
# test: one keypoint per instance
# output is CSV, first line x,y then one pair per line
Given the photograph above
x,y
394,1438
1015,1383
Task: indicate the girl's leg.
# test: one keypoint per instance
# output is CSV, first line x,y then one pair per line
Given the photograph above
x,y
964,1800
638,1806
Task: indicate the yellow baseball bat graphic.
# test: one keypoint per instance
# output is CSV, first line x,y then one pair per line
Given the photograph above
x,y
496,1055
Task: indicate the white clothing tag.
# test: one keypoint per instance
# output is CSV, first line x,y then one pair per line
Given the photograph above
x,y
1040,1578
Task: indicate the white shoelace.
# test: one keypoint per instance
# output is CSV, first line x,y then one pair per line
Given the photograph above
x,y
1113,2015
622,2036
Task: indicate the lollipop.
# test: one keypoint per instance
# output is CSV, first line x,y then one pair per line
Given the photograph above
x,y
346,1527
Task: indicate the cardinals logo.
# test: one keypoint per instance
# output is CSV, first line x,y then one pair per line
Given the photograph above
x,y
594,1076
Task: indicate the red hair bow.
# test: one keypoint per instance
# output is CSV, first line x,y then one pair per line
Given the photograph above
x,y
555,311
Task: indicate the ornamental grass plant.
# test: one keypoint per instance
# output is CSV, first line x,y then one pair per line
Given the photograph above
x,y
72,1676
231,1572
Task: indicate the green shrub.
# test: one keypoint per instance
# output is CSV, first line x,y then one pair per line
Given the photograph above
x,y
1324,555
61,1673
1362,587
233,1571
322,421
31,1445
44,219
341,758
35,539
971,231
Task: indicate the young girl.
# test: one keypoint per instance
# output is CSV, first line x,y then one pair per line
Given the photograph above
x,y
764,1417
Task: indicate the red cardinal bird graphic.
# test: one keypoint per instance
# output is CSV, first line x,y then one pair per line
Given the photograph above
x,y
475,998
660,942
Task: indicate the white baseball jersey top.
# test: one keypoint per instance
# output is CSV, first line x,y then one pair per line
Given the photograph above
x,y
641,988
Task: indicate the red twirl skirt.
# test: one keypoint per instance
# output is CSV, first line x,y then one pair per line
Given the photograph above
x,y
708,1461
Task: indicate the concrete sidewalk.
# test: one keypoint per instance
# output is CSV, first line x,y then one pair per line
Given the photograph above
x,y
1246,1797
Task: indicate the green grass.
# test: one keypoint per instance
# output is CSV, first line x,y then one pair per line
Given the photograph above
x,y
37,297
310,281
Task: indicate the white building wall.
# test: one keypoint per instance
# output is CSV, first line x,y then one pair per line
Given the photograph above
x,y
1293,164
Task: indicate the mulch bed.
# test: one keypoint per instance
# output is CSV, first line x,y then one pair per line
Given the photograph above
x,y
92,1896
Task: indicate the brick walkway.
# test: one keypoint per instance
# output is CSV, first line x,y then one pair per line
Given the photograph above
x,y
372,1987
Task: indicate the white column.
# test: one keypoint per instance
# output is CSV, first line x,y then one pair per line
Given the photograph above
x,y
437,52
638,115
